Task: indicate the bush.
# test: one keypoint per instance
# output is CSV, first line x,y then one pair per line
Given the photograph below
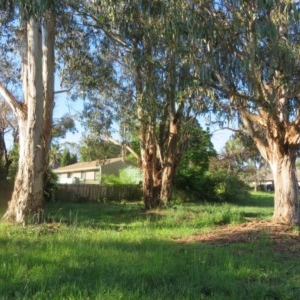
x,y
127,176
209,187
50,185
194,186
231,189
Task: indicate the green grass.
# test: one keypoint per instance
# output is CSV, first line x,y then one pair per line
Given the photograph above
x,y
259,205
118,251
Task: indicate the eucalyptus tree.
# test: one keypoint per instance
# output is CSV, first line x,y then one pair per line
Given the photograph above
x,y
29,32
148,45
243,159
94,148
256,69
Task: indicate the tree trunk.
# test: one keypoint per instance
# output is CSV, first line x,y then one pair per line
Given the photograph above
x,y
255,186
286,198
149,163
172,121
279,149
151,181
27,198
48,84
169,167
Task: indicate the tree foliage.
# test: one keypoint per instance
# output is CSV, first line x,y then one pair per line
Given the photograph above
x,y
98,149
62,126
7,126
243,159
67,158
192,176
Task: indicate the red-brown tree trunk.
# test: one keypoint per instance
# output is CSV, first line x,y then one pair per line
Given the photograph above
x,y
169,167
149,162
151,179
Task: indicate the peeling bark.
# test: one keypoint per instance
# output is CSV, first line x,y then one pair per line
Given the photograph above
x,y
286,198
170,163
34,120
279,148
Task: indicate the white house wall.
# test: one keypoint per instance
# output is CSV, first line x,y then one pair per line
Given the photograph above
x,y
63,175
93,175
90,175
76,175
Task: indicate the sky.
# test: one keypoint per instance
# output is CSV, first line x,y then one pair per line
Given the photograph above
x,y
219,139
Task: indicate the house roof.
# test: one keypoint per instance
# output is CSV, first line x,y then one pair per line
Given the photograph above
x,y
87,166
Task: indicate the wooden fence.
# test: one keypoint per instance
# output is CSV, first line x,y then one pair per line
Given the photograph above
x,y
99,193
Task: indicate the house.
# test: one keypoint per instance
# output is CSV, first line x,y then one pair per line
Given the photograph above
x,y
91,172
268,182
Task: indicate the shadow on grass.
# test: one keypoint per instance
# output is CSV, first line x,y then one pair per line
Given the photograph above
x,y
96,268
185,218
258,205
98,215
258,199
255,215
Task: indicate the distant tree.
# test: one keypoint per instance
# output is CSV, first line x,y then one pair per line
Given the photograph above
x,y
243,159
98,149
197,148
5,161
68,158
14,156
192,171
8,125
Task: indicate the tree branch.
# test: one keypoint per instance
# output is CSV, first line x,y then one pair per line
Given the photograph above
x,y
248,123
17,107
63,91
113,141
226,89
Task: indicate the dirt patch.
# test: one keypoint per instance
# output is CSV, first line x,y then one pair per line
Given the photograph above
x,y
284,238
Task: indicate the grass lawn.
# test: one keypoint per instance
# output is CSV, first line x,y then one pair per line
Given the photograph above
x,y
119,251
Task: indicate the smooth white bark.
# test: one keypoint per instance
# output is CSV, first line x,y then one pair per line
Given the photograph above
x,y
27,198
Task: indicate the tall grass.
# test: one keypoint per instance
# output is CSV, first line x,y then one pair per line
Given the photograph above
x,y
119,251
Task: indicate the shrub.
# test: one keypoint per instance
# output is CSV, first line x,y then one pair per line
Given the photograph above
x,y
129,175
50,185
231,188
209,187
196,186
